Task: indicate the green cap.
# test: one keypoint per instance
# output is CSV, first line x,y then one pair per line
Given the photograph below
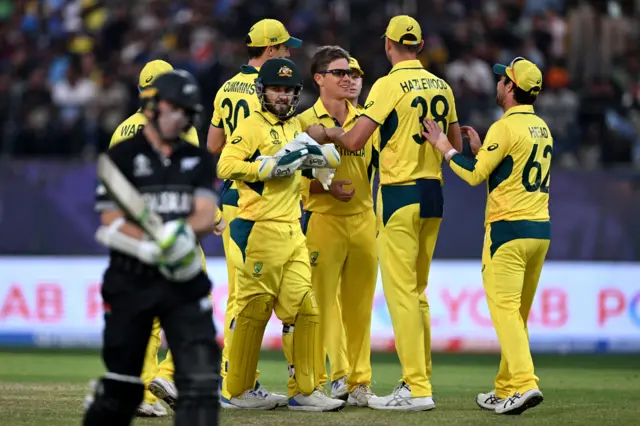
x,y
280,72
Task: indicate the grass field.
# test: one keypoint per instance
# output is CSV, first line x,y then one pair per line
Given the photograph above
x,y
46,389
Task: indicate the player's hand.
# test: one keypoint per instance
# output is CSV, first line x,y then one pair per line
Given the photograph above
x,y
324,176
435,136
285,166
339,193
334,133
178,241
317,132
219,227
474,138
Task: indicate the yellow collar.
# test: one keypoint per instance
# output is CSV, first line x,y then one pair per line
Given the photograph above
x,y
407,65
519,109
269,117
321,111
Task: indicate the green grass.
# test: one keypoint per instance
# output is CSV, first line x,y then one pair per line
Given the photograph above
x,y
45,388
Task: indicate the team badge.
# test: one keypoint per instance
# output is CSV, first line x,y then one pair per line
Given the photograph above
x,y
257,268
314,257
285,71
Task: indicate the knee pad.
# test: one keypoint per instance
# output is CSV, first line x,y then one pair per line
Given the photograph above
x,y
307,350
247,331
115,401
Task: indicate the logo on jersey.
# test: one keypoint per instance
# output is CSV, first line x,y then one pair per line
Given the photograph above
x,y
257,268
141,166
188,163
492,147
368,105
275,136
236,140
169,202
285,71
313,257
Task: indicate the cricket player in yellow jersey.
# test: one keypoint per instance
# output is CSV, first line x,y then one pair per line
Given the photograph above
x,y
234,102
515,160
412,201
157,379
339,224
267,246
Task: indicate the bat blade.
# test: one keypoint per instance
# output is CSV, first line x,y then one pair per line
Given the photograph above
x,y
128,198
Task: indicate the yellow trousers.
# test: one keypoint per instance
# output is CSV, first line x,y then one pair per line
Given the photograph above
x,y
406,242
150,368
344,262
512,259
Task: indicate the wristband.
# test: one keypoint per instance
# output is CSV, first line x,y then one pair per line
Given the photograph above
x,y
450,154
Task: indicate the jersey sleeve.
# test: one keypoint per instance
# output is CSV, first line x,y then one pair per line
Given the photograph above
x,y
381,101
191,136
117,154
204,186
453,113
495,148
237,161
216,120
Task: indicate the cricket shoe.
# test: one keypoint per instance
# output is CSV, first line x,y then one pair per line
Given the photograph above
x,y
280,400
250,400
518,404
317,401
164,390
360,396
339,389
401,400
488,401
151,410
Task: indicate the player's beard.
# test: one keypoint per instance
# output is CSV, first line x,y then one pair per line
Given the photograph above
x,y
500,99
280,108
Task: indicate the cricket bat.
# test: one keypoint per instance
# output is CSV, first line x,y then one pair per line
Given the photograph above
x,y
127,197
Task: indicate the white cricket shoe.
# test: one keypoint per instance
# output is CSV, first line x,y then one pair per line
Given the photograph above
x,y
401,400
339,389
517,404
151,410
488,401
250,400
164,390
317,401
280,400
360,396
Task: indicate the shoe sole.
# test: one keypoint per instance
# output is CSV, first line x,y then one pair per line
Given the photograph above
x,y
405,408
159,392
534,401
341,397
311,409
230,406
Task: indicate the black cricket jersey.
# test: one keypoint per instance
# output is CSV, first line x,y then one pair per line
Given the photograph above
x,y
168,184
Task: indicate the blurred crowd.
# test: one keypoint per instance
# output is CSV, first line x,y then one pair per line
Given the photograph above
x,y
69,68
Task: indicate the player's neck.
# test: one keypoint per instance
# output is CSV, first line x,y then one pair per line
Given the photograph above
x,y
353,102
155,140
336,107
401,57
256,62
508,104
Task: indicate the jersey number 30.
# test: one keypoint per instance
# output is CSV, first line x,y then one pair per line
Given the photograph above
x,y
232,115
538,183
438,117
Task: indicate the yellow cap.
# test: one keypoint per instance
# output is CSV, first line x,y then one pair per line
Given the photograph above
x,y
524,74
354,65
152,70
270,32
404,29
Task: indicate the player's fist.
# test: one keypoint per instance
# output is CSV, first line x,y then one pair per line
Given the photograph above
x,y
339,193
219,227
474,138
317,132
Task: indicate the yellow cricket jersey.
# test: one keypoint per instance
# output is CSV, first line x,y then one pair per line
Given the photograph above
x,y
356,167
134,124
234,102
515,159
399,102
275,199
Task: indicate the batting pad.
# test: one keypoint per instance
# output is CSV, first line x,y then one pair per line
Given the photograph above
x,y
306,345
246,340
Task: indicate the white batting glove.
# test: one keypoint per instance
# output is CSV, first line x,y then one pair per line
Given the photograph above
x,y
284,166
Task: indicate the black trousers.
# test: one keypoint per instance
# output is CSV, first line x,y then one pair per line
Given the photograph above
x,y
132,300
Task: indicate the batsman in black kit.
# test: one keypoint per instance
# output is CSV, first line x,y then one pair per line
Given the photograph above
x,y
147,278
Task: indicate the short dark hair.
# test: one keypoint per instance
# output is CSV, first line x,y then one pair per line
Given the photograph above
x,y
323,57
521,97
256,52
412,48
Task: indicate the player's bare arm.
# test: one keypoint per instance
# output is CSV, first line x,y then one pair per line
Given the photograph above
x,y
356,138
203,220
455,136
216,139
108,217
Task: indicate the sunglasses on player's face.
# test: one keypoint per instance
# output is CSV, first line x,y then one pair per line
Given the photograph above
x,y
340,73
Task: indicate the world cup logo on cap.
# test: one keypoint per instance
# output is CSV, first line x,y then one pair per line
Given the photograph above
x,y
285,71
